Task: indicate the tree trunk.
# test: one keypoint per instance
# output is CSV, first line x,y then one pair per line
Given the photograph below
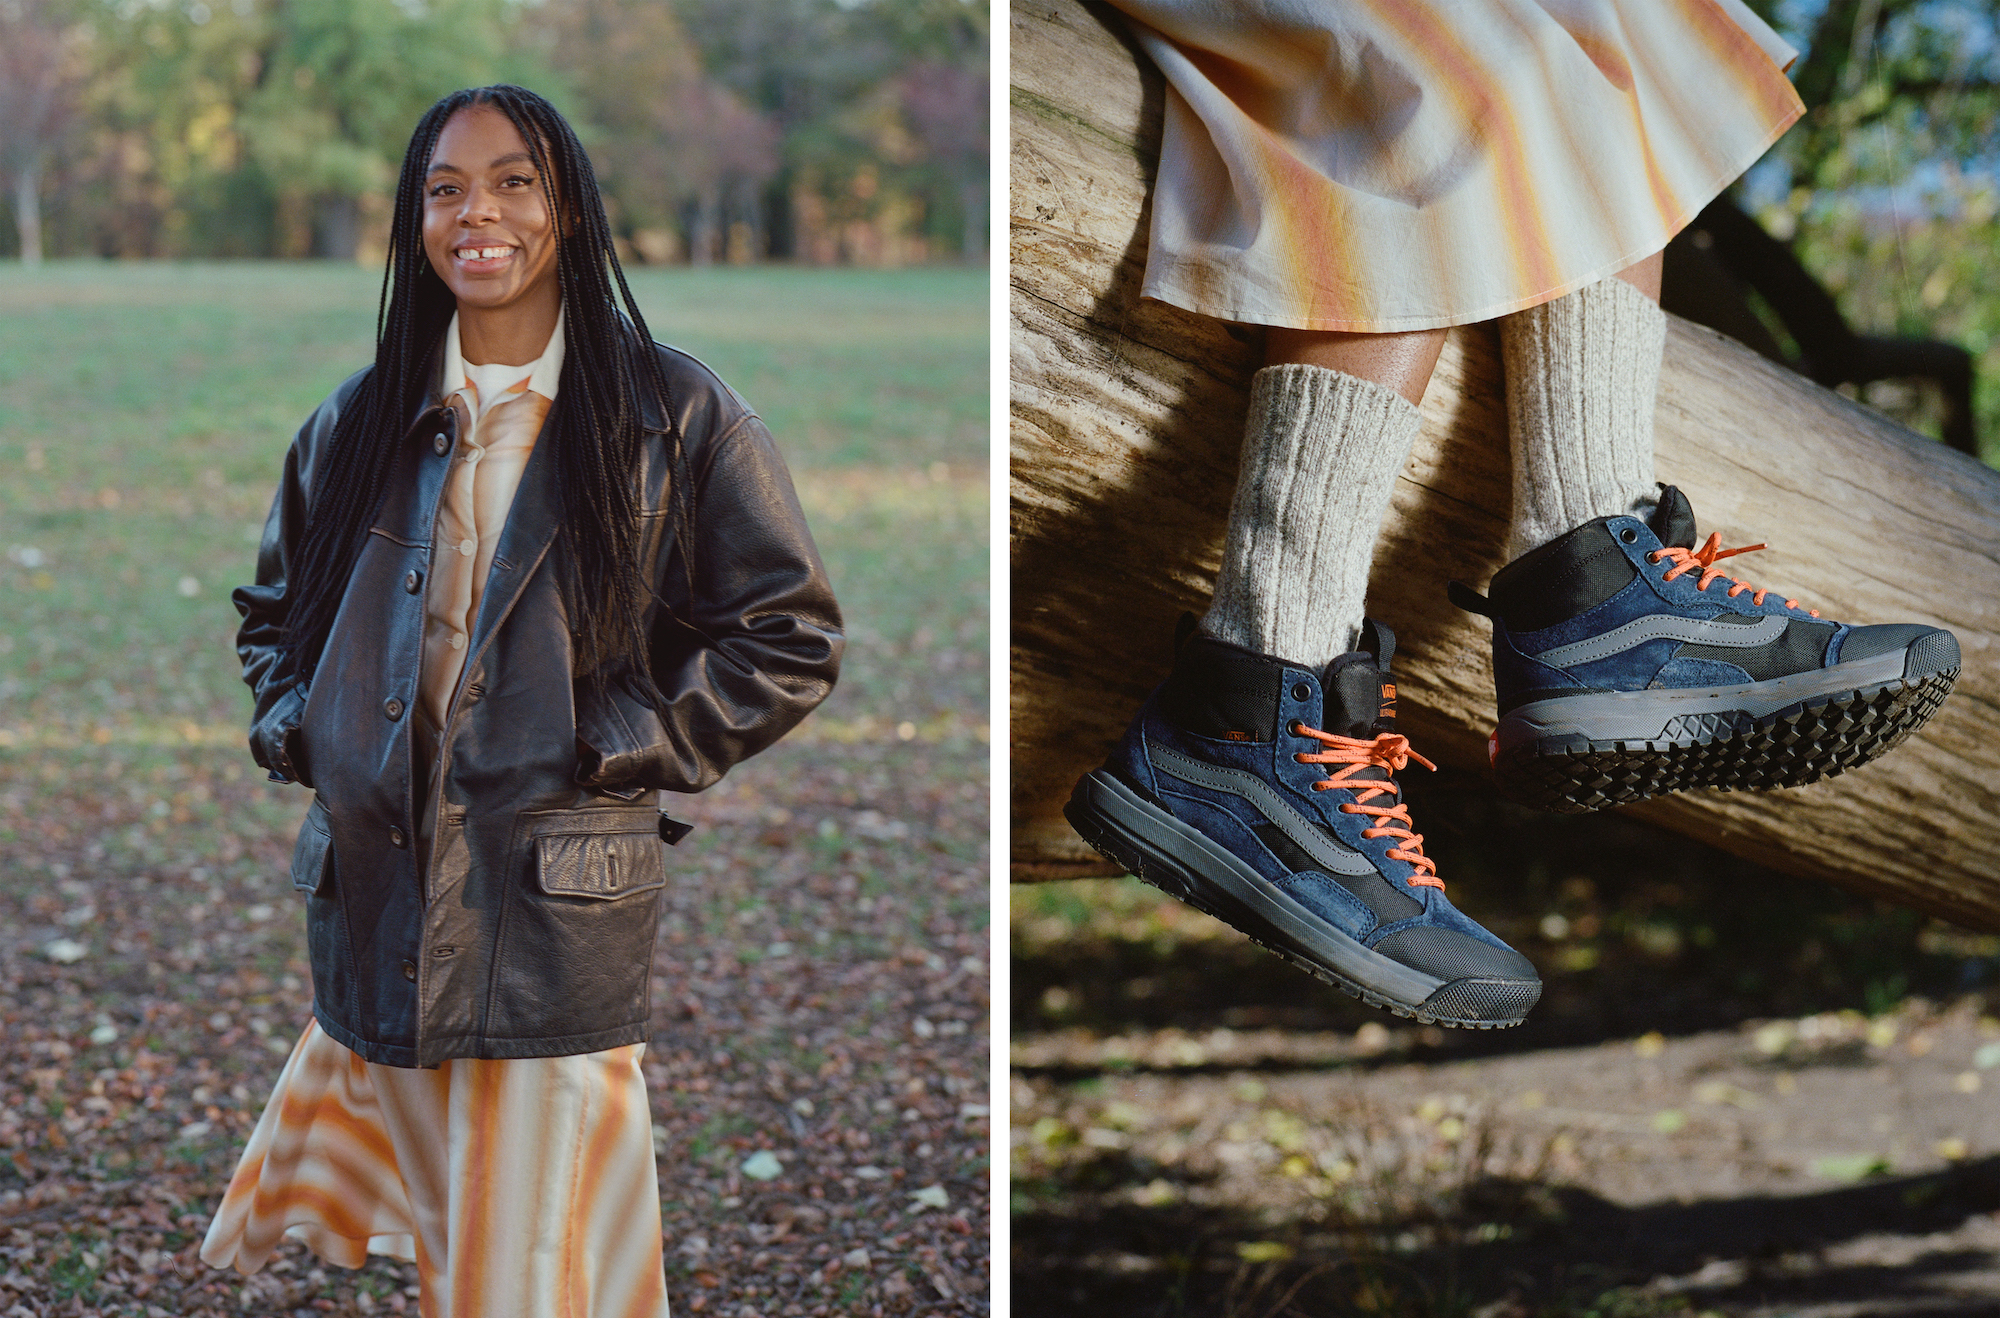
x,y
701,226
1126,421
972,200
28,212
337,228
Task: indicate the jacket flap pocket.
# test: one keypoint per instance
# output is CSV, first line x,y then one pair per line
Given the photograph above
x,y
311,855
600,854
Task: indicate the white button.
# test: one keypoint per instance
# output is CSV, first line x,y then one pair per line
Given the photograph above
x,y
458,640
467,545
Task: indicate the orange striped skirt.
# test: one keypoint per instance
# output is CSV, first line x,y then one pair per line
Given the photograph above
x,y
1391,165
521,1189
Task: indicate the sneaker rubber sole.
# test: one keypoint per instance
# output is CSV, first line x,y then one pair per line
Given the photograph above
x,y
1582,753
1185,863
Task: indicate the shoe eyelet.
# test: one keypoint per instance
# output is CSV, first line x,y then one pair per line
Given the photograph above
x,y
1629,535
1295,728
1300,691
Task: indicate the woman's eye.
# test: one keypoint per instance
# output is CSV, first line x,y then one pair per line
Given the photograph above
x,y
442,189
521,179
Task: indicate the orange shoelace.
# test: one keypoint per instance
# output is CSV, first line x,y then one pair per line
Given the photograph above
x,y
1391,751
1704,558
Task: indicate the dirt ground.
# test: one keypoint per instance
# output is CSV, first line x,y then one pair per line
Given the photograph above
x,y
1743,1094
819,993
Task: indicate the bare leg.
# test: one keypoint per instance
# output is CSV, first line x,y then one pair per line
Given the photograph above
x,y
1645,276
1402,362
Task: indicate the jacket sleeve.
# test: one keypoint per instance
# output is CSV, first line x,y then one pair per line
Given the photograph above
x,y
280,702
745,657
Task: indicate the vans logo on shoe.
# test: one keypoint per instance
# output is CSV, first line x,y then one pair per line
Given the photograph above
x,y
1388,700
1236,736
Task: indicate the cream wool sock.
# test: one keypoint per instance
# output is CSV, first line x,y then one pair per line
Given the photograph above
x,y
1321,450
1582,375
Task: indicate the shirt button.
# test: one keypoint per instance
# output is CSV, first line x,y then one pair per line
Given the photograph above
x,y
467,545
410,971
440,441
413,581
393,708
458,640
396,837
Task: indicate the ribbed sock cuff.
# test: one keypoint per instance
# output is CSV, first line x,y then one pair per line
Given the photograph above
x,y
1321,452
1583,375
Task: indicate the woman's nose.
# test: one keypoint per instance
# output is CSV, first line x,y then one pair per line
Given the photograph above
x,y
478,206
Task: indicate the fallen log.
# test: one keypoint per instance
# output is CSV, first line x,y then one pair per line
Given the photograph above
x,y
1125,425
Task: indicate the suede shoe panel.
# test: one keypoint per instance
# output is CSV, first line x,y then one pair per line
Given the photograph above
x,y
1681,674
1330,901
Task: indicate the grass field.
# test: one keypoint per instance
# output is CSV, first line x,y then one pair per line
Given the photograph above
x,y
820,989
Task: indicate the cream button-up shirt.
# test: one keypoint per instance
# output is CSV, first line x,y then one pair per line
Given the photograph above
x,y
500,411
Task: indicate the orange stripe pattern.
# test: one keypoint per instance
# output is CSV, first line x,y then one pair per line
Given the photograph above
x,y
522,1188
1395,165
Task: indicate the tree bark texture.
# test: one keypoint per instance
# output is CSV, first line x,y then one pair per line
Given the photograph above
x,y
1126,423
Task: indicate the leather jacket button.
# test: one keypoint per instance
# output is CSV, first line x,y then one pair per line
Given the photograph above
x,y
397,838
413,581
441,441
393,708
410,971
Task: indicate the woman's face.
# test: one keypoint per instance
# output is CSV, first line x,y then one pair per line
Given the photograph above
x,y
487,227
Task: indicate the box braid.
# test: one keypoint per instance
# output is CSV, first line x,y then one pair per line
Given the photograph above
x,y
596,426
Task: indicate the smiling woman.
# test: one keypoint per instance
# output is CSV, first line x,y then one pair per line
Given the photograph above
x,y
523,573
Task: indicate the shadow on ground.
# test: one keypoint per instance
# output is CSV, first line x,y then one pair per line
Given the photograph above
x,y
1563,1248
1199,1129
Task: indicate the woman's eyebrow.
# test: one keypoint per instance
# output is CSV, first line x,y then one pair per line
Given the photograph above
x,y
512,158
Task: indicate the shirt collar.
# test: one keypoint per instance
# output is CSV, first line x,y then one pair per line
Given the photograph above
x,y
543,373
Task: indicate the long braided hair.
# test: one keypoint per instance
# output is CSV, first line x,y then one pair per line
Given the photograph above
x,y
595,427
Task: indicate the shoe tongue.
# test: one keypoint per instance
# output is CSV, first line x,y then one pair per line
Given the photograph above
x,y
1360,694
1673,520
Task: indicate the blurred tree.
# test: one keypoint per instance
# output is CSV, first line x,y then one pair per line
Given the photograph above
x,y
880,111
340,84
947,106
673,147
1888,188
41,77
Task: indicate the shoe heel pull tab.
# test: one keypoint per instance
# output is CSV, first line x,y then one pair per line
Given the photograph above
x,y
1470,600
1378,640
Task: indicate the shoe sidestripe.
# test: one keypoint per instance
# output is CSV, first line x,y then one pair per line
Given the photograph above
x,y
1334,856
1665,627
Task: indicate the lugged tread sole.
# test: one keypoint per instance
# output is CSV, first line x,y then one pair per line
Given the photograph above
x,y
1801,744
1166,878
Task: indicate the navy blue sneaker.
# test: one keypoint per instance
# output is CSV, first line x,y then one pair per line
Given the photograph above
x,y
1629,665
1264,793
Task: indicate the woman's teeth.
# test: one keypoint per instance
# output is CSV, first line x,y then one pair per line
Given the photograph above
x,y
482,253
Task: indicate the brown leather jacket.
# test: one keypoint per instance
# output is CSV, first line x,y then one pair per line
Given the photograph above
x,y
525,928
